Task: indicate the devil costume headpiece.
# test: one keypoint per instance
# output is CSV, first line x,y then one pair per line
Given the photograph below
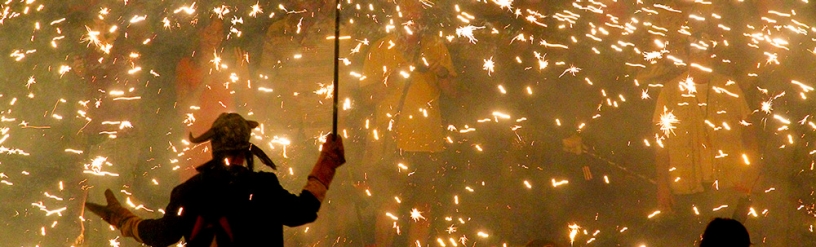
x,y
230,133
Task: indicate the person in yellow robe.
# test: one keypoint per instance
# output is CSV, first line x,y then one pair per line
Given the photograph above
x,y
404,75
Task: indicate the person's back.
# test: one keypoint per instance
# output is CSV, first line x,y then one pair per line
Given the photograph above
x,y
725,232
228,203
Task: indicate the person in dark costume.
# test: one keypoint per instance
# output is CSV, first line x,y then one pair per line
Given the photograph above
x,y
227,203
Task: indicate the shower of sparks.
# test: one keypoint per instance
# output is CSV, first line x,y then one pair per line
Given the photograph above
x,y
767,107
508,4
325,90
283,142
467,32
186,9
572,70
53,47
559,183
653,56
463,239
667,122
256,9
451,229
416,215
688,86
489,65
573,232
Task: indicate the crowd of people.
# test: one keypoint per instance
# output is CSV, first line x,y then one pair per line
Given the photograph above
x,y
410,98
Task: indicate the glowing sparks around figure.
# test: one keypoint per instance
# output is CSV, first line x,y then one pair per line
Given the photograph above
x,y
467,32
542,62
256,9
653,56
451,229
767,107
573,232
216,61
595,30
508,4
688,86
416,215
668,122
489,65
96,166
572,70
325,90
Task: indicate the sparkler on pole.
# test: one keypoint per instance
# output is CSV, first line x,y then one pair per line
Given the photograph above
x,y
335,86
335,83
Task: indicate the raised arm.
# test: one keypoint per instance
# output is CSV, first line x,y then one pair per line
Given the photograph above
x,y
298,209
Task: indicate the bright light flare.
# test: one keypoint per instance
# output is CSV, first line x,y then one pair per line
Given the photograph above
x,y
667,122
558,183
573,232
467,32
489,66
416,215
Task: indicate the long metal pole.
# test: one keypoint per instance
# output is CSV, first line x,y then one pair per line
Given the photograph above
x,y
335,96
336,83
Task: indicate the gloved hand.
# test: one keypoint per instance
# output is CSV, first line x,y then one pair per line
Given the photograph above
x,y
333,150
332,156
116,215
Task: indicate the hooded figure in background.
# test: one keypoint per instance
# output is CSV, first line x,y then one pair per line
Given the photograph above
x,y
227,203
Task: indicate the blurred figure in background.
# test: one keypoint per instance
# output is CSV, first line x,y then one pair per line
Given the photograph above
x,y
707,153
404,75
294,91
206,84
293,102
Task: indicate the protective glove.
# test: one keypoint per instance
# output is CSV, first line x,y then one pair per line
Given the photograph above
x,y
332,156
116,215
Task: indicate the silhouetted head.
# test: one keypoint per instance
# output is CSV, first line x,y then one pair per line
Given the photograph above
x,y
230,132
725,232
229,137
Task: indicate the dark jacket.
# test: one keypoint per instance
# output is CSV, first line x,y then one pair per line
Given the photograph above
x,y
237,206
